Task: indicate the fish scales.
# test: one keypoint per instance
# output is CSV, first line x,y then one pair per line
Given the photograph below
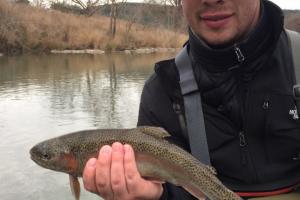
x,y
161,158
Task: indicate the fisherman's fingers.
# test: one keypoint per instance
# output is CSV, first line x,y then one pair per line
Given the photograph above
x,y
103,170
132,176
89,175
114,176
138,187
118,182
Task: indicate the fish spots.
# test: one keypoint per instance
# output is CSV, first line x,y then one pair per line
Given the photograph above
x,y
156,157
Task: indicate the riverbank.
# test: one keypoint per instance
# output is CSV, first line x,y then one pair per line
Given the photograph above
x,y
126,51
26,29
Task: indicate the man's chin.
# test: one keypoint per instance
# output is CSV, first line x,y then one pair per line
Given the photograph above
x,y
219,40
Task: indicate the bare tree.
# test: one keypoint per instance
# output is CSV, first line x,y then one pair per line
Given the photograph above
x,y
89,6
115,6
113,18
176,12
132,15
39,3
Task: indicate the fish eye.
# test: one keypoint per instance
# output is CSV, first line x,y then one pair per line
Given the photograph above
x,y
46,156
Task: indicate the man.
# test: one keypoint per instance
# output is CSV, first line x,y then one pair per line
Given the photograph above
x,y
243,66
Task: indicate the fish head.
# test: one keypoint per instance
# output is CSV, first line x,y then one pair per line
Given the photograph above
x,y
54,155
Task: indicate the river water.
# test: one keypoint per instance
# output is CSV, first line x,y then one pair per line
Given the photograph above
x,y
43,96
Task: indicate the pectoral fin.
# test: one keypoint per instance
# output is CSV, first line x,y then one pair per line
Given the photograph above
x,y
75,186
154,180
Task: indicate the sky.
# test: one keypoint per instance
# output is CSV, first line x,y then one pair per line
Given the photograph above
x,y
288,4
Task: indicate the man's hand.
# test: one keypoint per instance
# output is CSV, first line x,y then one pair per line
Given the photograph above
x,y
114,175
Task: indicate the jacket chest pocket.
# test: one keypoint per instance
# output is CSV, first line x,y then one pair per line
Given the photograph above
x,y
282,129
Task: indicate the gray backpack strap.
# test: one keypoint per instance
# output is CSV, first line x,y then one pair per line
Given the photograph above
x,y
193,107
295,45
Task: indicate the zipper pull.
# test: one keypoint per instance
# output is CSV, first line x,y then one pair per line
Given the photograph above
x,y
177,108
243,150
297,158
239,54
243,142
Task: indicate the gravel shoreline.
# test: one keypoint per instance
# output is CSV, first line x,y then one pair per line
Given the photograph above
x,y
127,51
149,50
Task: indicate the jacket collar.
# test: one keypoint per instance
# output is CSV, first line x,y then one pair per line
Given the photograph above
x,y
262,39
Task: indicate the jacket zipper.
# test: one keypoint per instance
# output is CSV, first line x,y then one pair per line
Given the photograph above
x,y
242,138
246,147
242,134
245,157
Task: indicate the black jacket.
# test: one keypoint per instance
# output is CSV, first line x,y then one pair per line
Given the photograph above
x,y
252,127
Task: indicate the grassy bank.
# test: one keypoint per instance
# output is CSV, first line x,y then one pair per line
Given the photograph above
x,y
27,29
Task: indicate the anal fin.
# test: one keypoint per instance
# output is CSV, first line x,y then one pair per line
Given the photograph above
x,y
194,191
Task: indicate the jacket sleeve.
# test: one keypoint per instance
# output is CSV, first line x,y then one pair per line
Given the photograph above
x,y
146,115
154,105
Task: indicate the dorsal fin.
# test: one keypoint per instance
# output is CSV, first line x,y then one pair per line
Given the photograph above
x,y
157,132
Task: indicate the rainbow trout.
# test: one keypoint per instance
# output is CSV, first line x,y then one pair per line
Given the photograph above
x,y
156,158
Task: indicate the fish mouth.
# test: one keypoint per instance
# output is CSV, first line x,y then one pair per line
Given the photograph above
x,y
31,152
35,156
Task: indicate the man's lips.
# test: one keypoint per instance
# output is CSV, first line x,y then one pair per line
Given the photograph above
x,y
216,20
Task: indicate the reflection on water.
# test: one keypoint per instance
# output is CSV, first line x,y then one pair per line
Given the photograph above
x,y
48,95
